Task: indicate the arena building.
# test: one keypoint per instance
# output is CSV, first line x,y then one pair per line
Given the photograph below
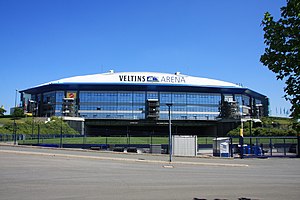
x,y
137,103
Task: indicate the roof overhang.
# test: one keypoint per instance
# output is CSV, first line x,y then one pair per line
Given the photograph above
x,y
141,78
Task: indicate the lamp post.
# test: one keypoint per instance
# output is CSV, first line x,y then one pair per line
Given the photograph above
x,y
32,110
15,125
170,131
61,132
250,130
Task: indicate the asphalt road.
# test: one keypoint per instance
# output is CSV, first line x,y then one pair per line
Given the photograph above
x,y
33,173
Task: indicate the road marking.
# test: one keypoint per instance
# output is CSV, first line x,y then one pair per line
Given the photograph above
x,y
168,166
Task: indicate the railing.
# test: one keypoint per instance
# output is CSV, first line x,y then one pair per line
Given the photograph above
x,y
253,146
270,146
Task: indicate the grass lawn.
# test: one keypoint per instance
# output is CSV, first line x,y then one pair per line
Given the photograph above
x,y
144,140
101,140
111,140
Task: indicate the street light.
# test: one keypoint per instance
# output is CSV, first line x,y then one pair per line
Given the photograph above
x,y
15,125
61,132
32,106
170,131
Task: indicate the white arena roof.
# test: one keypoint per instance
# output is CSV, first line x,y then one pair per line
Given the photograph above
x,y
142,78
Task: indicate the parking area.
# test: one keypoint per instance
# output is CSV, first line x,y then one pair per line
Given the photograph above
x,y
52,174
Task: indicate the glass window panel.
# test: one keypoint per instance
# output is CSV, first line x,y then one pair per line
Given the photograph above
x,y
179,98
165,97
152,95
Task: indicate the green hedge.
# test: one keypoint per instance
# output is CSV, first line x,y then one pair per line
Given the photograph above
x,y
264,132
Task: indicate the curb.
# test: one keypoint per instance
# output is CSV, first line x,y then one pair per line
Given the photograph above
x,y
121,159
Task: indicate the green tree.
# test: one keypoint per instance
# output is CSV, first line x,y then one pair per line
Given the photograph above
x,y
282,39
2,111
18,113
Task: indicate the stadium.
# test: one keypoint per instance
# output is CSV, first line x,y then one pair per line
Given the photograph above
x,y
140,103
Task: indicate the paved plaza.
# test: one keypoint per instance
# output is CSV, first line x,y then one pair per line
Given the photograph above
x,y
41,173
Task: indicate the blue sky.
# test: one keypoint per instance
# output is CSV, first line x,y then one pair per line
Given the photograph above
x,y
46,40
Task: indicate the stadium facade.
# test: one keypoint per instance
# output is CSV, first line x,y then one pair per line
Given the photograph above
x,y
136,103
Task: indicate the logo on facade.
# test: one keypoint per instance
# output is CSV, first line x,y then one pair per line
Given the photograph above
x,y
71,95
151,79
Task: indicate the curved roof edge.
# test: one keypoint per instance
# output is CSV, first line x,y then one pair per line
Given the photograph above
x,y
147,78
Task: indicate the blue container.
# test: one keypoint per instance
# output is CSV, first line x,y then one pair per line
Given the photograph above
x,y
247,149
257,150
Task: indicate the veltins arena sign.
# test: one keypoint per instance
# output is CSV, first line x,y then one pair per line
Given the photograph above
x,y
151,79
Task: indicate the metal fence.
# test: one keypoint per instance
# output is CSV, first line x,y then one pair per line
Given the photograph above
x,y
252,146
265,146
